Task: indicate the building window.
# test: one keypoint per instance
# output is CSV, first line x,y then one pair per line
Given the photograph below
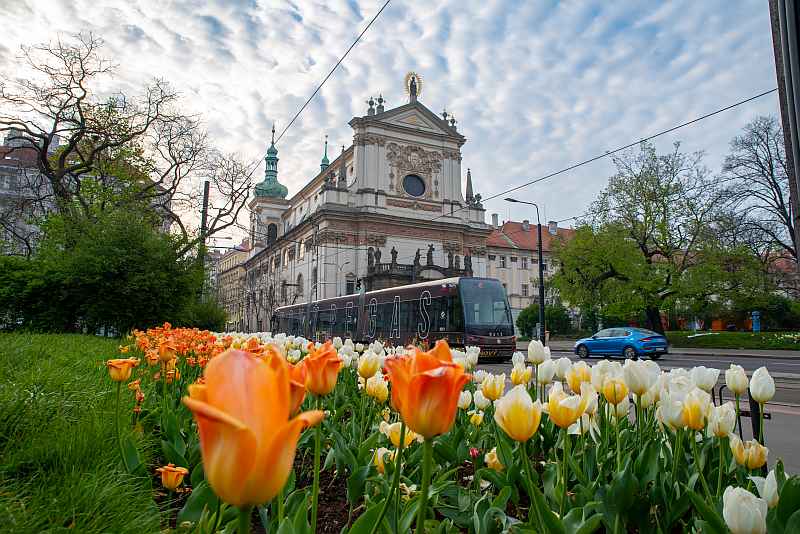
x,y
414,185
299,284
524,290
502,262
302,249
350,287
513,259
544,266
492,257
524,264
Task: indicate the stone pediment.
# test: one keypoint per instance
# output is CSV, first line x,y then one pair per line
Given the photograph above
x,y
413,115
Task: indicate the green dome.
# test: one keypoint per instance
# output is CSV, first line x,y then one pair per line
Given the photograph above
x,y
271,189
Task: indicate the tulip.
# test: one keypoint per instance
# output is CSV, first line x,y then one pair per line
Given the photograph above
x,y
465,400
518,359
475,417
545,372
704,378
426,388
322,367
639,376
481,402
120,369
722,420
171,476
615,390
380,459
750,454
368,364
736,379
392,431
762,386
604,370
337,343
521,375
492,461
247,440
377,388
563,366
493,386
618,411
767,488
563,409
744,513
297,385
479,376
577,374
696,408
536,352
517,414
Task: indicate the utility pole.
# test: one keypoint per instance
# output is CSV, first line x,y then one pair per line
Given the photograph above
x,y
203,229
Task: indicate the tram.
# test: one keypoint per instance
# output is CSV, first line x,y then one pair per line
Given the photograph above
x,y
463,310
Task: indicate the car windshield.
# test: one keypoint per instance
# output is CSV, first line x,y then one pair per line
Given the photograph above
x,y
486,309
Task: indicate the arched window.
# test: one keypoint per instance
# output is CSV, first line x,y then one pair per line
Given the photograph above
x,y
272,233
300,284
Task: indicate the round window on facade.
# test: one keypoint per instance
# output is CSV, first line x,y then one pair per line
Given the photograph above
x,y
414,185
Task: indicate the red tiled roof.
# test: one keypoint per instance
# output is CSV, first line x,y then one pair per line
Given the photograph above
x,y
512,235
18,157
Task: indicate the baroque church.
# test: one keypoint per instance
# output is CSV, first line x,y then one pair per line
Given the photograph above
x,y
389,210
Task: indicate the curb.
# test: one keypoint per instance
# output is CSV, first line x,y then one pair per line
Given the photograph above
x,y
693,352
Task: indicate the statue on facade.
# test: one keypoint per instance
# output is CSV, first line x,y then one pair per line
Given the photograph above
x,y
377,256
430,254
468,263
458,263
449,259
416,258
394,256
370,257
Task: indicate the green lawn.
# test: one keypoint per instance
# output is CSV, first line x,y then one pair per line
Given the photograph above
x,y
737,340
59,464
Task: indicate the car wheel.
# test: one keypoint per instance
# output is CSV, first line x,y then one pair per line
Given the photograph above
x,y
630,353
583,352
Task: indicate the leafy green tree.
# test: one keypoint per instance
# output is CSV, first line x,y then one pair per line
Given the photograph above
x,y
557,320
527,320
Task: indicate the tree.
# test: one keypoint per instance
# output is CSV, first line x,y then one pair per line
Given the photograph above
x,y
648,243
142,146
557,320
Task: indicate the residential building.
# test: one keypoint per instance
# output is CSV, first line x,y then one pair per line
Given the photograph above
x,y
513,258
231,285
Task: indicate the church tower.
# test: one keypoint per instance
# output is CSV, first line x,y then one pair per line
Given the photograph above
x,y
269,202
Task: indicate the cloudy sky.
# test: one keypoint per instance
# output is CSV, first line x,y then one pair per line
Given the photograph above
x,y
535,85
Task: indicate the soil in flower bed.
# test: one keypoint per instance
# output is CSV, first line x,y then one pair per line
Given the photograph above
x,y
333,507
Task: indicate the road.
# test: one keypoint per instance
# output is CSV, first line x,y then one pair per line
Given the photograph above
x,y
781,430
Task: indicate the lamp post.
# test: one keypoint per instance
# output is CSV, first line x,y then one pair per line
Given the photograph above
x,y
338,272
541,265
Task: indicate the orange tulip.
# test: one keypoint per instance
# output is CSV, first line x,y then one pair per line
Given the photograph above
x,y
247,440
425,389
297,385
120,369
167,351
322,369
171,476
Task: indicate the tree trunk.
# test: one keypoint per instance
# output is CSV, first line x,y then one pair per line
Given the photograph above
x,y
654,319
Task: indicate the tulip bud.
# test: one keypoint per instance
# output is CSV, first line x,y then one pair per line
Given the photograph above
x,y
639,377
521,375
744,513
562,368
579,372
545,372
381,457
736,379
750,454
767,488
465,400
518,359
762,386
492,461
722,420
481,402
493,386
475,417
368,364
704,378
696,407
517,414
615,390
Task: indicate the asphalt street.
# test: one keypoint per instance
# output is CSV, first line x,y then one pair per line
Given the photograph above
x,y
781,430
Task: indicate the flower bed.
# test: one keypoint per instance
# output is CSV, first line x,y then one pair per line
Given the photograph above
x,y
391,439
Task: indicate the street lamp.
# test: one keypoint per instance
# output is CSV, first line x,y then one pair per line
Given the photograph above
x,y
541,266
338,272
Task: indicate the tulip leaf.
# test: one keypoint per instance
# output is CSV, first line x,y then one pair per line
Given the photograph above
x,y
286,527
202,496
343,453
172,455
355,484
133,462
328,459
793,524
300,521
198,475
646,465
590,525
364,524
502,498
445,452
492,476
711,517
789,500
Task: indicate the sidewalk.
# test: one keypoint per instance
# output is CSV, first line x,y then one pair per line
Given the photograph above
x,y
568,345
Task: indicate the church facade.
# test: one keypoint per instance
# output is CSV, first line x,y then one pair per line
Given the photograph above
x,y
389,210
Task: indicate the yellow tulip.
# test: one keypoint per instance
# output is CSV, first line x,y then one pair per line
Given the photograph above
x,y
380,459
120,369
696,407
393,433
475,417
517,414
750,454
564,409
493,386
577,374
247,440
377,388
615,390
521,375
171,476
368,364
492,461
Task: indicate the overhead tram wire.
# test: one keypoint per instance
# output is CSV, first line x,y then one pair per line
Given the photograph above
x,y
310,98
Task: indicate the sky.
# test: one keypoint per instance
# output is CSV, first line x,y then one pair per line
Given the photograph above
x,y
535,86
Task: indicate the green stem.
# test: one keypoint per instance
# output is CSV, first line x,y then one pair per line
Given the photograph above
x,y
566,472
244,519
216,516
676,452
280,504
164,386
619,449
315,487
761,423
697,465
738,417
427,460
721,466
119,436
393,490
526,465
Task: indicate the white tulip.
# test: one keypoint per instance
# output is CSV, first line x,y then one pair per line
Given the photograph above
x,y
562,368
465,400
736,379
359,347
536,353
639,377
545,372
481,402
479,376
619,410
705,378
762,386
722,420
767,488
518,359
670,409
744,513
337,343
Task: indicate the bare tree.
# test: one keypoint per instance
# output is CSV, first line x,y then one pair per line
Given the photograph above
x,y
141,144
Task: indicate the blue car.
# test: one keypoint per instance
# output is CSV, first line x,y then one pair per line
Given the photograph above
x,y
627,342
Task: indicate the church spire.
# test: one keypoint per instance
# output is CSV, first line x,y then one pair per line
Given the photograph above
x,y
325,163
470,196
271,187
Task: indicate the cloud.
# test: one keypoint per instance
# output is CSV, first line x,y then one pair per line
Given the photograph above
x,y
535,86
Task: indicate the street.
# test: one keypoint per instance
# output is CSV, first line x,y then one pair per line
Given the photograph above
x,y
784,366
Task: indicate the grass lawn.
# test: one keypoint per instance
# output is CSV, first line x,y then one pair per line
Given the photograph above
x,y
737,340
59,464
